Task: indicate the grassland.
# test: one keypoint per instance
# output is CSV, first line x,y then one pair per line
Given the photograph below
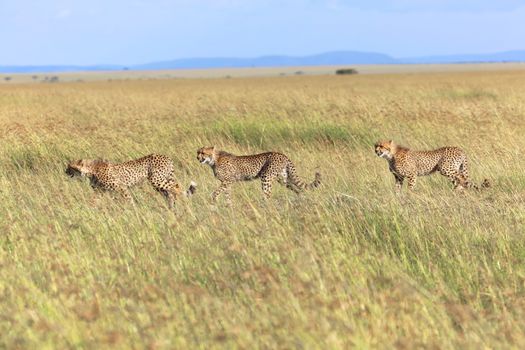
x,y
351,264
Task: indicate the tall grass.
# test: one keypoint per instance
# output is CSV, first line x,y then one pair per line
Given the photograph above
x,y
350,264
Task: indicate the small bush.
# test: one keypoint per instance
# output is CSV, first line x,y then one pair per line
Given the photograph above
x,y
346,71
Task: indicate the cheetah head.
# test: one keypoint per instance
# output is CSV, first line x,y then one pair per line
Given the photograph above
x,y
79,167
385,149
207,155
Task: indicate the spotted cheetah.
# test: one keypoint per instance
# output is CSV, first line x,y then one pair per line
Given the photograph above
x,y
405,163
269,166
158,169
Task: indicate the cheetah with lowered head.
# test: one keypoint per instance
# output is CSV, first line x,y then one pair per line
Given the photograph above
x,y
158,169
407,164
269,166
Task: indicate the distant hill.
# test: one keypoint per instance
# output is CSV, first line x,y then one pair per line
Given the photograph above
x,y
507,56
336,58
329,58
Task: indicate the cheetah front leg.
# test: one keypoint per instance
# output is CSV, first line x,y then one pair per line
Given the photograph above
x,y
399,182
225,187
124,192
411,181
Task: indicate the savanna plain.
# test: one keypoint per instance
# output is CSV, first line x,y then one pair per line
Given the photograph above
x,y
350,264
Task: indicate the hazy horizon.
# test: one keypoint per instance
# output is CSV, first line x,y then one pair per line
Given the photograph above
x,y
71,32
262,56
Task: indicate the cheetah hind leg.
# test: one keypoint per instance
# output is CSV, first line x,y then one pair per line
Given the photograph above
x,y
169,190
285,181
463,175
174,193
170,197
457,179
467,183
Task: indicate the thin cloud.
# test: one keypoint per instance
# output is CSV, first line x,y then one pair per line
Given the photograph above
x,y
472,6
63,14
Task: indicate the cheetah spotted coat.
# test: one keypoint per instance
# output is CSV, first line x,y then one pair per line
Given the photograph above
x,y
404,164
269,166
158,169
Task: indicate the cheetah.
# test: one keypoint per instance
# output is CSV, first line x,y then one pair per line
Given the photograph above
x,y
269,166
158,169
404,163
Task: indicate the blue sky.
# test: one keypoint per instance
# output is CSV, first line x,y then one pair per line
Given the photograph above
x,y
140,31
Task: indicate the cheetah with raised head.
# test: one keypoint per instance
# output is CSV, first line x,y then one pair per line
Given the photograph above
x,y
158,169
269,166
407,164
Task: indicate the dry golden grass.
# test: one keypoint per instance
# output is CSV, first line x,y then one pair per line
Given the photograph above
x,y
350,264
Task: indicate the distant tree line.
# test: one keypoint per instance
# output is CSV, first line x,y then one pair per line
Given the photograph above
x,y
346,71
52,79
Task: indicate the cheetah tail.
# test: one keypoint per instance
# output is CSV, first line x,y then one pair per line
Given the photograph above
x,y
296,180
317,182
192,189
484,184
